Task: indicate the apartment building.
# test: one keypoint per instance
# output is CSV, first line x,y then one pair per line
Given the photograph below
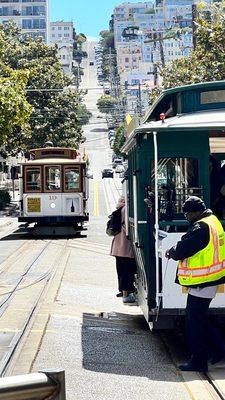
x,y
62,35
30,15
167,20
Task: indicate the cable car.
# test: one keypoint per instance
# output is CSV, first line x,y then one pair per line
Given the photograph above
x,y
54,191
168,160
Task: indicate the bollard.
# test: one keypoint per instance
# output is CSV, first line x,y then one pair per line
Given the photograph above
x,y
58,377
37,386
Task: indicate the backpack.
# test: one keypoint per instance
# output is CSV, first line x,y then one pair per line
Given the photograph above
x,y
113,226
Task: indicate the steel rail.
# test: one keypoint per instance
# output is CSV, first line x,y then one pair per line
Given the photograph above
x,y
214,388
17,339
5,301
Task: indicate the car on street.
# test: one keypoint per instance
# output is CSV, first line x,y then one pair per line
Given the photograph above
x,y
107,173
117,161
89,174
111,134
119,169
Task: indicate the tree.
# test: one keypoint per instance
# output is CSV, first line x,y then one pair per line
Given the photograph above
x,y
106,104
15,111
207,61
56,113
109,62
119,140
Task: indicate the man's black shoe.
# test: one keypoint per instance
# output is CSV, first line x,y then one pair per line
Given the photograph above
x,y
191,367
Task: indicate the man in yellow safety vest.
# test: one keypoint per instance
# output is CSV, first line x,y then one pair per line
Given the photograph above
x,y
201,267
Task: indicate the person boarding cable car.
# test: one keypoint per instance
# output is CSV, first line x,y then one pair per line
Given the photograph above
x,y
201,260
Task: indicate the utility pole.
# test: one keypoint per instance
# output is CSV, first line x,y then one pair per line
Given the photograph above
x,y
194,27
139,101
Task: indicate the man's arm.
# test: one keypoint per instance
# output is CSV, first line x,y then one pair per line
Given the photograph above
x,y
196,239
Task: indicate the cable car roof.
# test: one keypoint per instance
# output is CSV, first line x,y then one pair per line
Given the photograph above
x,y
53,161
199,120
207,121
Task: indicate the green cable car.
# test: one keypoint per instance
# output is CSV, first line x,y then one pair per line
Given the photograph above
x,y
168,161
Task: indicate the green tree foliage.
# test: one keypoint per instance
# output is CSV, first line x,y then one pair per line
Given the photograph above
x,y
14,107
106,104
109,63
207,61
119,140
57,113
15,111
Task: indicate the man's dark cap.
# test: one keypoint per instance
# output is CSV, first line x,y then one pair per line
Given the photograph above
x,y
193,203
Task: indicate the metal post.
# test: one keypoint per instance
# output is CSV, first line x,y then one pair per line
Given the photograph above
x,y
156,217
57,376
194,29
135,209
36,386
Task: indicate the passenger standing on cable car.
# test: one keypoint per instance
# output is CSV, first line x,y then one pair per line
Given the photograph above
x,y
125,263
201,256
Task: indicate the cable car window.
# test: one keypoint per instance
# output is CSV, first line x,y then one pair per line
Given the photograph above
x,y
72,179
33,179
213,96
53,178
178,178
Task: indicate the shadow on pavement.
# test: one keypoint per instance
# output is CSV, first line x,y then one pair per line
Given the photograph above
x,y
123,344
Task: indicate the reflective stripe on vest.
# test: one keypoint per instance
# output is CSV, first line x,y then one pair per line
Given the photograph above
x,y
207,265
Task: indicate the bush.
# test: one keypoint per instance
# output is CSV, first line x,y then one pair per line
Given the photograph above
x,y
5,197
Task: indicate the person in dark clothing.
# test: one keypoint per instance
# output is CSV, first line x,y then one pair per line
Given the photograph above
x,y
216,182
201,336
169,198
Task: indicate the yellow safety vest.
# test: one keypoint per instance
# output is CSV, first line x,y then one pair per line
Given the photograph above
x,y
208,265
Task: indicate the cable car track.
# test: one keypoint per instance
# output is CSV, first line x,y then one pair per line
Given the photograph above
x,y
5,302
214,388
38,294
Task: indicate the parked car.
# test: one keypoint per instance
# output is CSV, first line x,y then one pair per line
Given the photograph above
x,y
111,134
107,173
119,169
91,63
112,125
117,161
89,174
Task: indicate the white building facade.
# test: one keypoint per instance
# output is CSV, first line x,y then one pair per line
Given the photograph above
x,y
167,20
31,16
62,35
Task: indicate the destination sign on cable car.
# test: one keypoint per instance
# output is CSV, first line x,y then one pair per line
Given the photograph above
x,y
34,204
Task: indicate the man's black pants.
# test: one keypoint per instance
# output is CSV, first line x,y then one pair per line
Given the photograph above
x,y
202,337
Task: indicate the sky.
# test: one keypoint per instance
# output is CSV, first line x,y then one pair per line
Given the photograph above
x,y
89,16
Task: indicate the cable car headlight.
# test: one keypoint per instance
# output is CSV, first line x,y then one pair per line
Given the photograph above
x,y
52,205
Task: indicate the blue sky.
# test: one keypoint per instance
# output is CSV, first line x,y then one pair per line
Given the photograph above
x,y
89,16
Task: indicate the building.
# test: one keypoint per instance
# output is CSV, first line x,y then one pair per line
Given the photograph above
x,y
31,16
150,33
62,35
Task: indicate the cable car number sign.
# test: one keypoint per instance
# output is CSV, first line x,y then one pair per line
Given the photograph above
x,y
34,204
